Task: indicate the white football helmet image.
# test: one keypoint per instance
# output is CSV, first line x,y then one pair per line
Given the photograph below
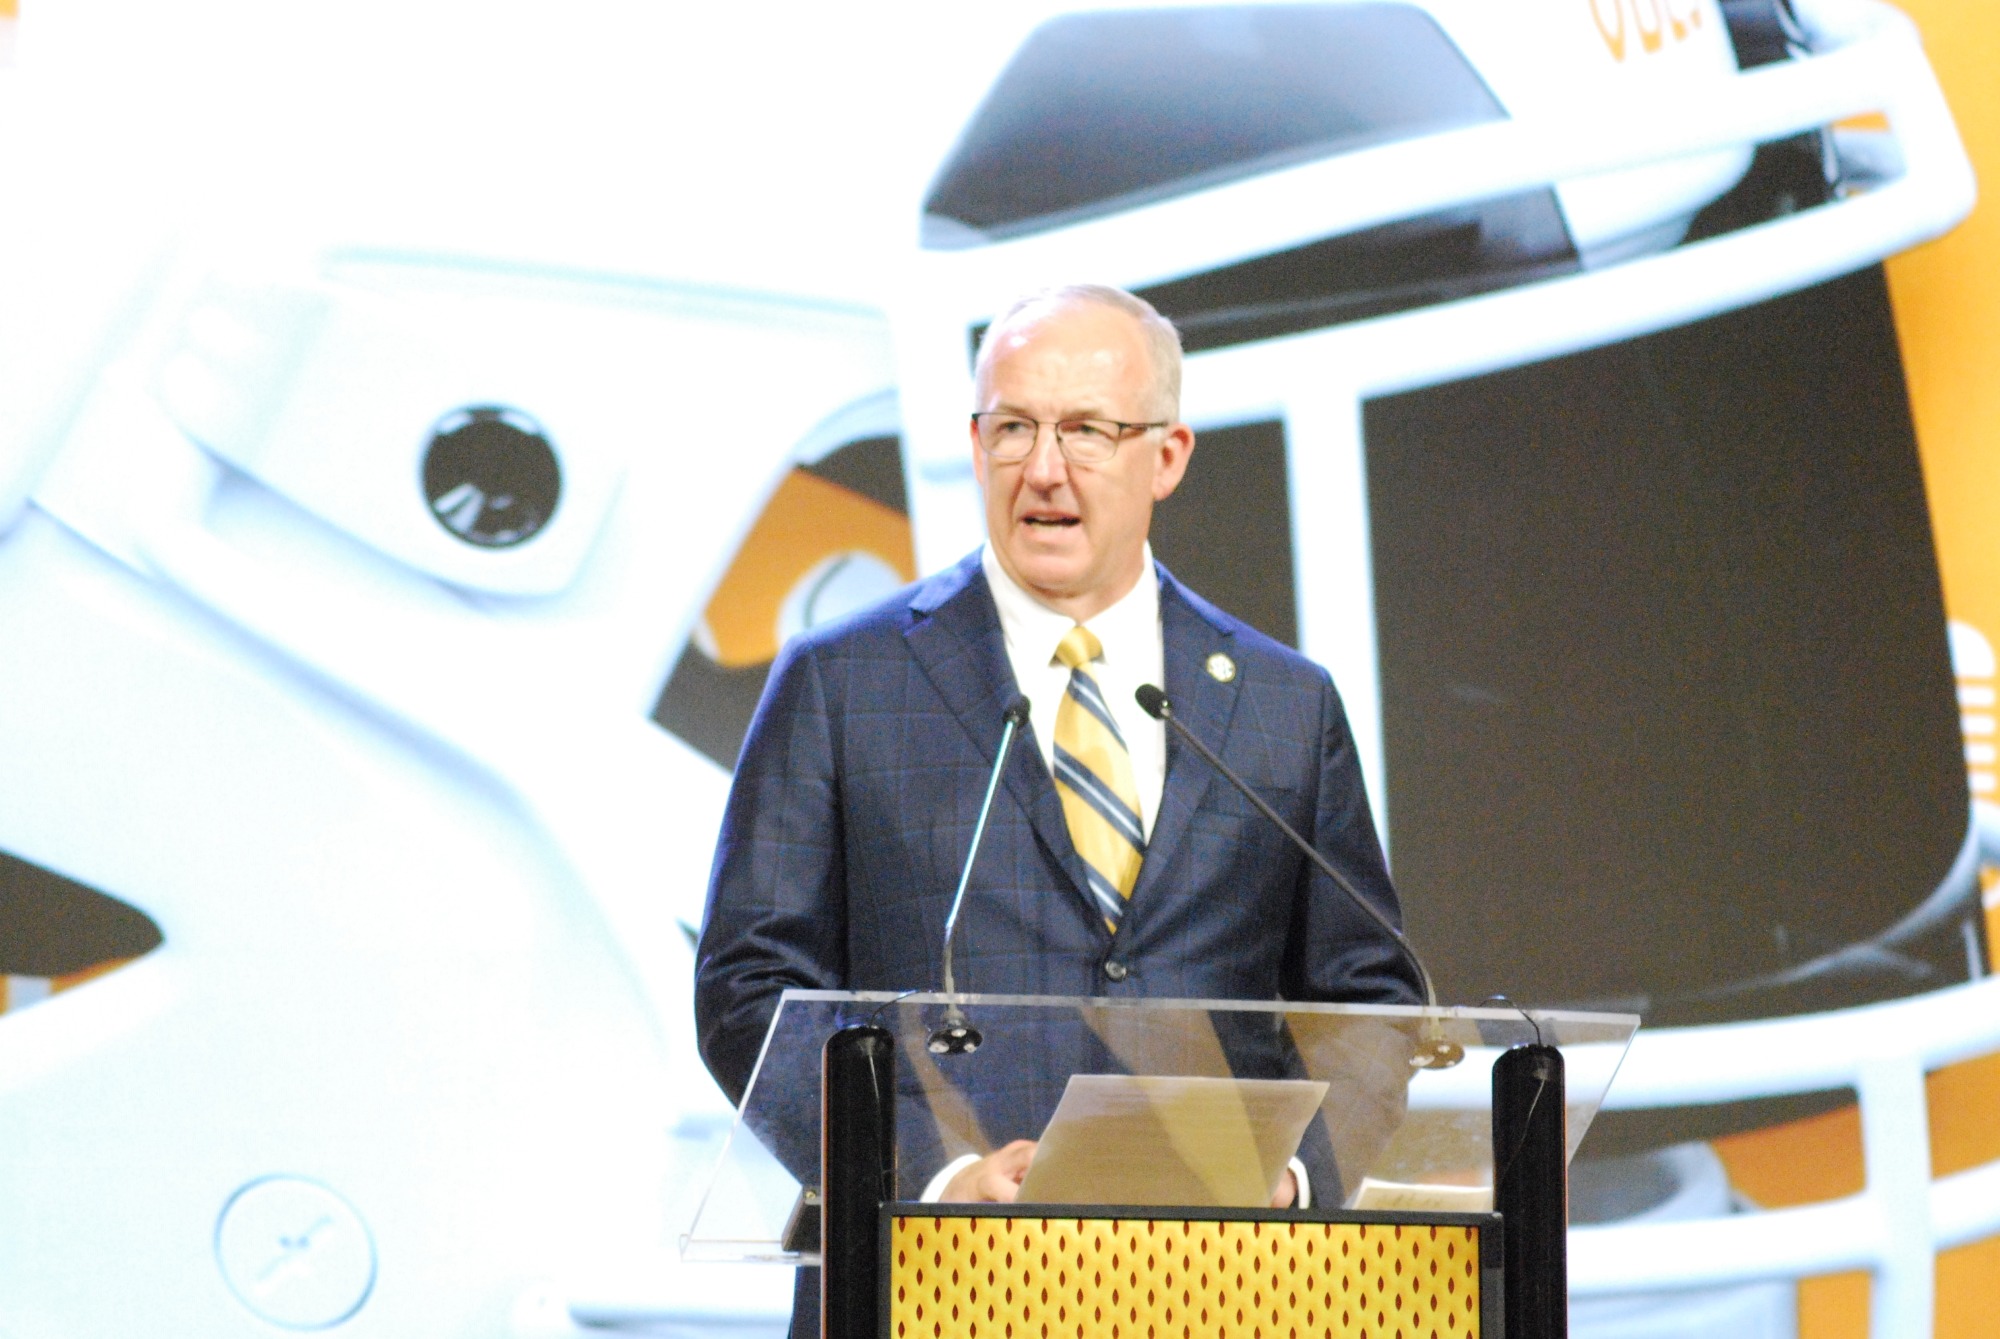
x,y
388,616
349,598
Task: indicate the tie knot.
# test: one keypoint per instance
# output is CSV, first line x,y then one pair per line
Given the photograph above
x,y
1079,647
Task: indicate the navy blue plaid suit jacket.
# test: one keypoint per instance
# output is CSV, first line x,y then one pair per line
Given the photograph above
x,y
860,781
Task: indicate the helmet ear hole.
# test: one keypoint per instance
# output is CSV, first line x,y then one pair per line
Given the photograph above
x,y
491,476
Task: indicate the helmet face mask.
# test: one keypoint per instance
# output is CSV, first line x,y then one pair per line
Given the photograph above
x,y
1552,478
1587,467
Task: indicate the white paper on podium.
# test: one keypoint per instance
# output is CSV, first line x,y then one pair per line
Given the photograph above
x,y
1146,1139
1412,1197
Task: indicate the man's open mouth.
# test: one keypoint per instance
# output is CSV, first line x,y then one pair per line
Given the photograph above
x,y
1050,520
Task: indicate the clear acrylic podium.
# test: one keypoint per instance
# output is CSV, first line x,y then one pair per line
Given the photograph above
x,y
1527,1084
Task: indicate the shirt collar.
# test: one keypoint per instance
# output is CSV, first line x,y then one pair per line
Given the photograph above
x,y
1125,628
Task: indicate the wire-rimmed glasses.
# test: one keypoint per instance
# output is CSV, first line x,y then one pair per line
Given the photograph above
x,y
1082,441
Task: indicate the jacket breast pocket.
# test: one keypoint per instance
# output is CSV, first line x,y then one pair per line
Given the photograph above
x,y
1226,811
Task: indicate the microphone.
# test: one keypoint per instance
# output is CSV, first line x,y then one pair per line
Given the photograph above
x,y
956,1036
1434,1052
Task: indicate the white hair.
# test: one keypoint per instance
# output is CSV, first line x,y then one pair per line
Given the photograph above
x,y
1163,342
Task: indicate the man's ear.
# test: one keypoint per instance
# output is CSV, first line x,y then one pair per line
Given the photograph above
x,y
1176,445
978,456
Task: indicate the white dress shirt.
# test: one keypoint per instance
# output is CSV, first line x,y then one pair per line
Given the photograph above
x,y
1134,654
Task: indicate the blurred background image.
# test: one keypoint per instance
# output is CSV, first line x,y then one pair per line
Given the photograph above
x,y
422,426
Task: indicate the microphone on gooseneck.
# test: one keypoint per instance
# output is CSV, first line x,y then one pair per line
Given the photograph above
x,y
956,1036
1435,1052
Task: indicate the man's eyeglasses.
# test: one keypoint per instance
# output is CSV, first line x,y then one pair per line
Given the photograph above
x,y
1082,441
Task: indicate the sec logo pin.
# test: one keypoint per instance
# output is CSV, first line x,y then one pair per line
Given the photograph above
x,y
1221,668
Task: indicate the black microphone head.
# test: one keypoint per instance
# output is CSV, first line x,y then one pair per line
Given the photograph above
x,y
1017,711
1153,702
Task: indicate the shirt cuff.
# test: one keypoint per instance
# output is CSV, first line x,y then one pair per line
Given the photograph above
x,y
1305,1199
934,1191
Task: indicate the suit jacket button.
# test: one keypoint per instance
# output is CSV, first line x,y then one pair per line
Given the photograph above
x,y
1116,970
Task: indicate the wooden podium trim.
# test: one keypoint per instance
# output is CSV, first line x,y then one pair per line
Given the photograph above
x,y
1050,1272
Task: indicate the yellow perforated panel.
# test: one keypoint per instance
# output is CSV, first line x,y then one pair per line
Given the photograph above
x,y
1102,1278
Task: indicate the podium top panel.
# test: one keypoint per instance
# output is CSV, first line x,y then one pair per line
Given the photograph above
x,y
973,1072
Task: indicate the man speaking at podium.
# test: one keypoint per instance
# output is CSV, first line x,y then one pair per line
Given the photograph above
x,y
1114,862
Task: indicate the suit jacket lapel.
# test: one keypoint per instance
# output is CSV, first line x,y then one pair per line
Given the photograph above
x,y
1201,702
956,640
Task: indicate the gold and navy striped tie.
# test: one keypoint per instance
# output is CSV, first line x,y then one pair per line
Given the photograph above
x,y
1100,798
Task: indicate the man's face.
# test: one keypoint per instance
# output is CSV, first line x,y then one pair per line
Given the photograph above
x,y
1074,535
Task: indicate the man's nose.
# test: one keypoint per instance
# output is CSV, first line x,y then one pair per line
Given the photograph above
x,y
1045,467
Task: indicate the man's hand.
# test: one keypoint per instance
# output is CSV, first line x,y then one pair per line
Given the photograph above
x,y
995,1178
1287,1192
